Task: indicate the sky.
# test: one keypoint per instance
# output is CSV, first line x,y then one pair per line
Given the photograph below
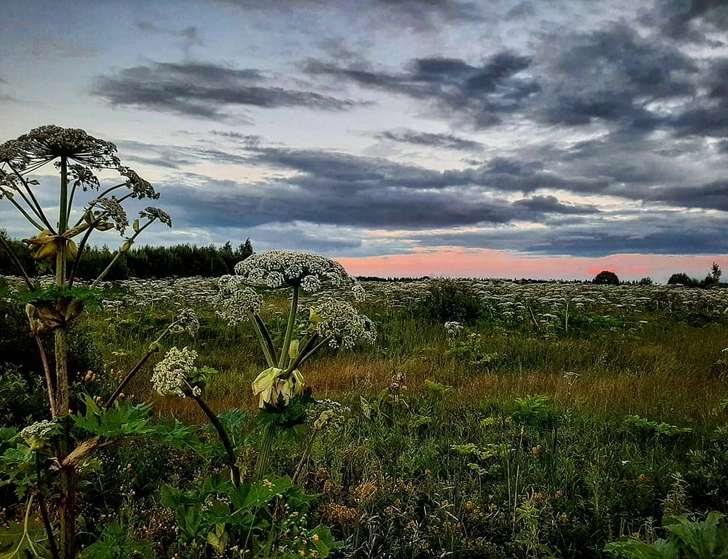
x,y
501,138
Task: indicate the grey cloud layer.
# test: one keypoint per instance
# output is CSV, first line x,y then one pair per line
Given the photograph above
x,y
646,102
204,90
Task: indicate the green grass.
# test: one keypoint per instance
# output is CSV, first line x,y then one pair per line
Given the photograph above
x,y
477,465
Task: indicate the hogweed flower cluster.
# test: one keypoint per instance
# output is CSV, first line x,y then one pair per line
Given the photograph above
x,y
186,321
38,435
287,268
332,321
341,323
235,304
171,375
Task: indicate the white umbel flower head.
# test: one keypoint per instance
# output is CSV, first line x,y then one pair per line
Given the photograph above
x,y
341,323
39,434
186,321
171,373
235,303
288,268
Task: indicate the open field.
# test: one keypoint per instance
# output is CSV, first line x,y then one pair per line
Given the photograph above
x,y
553,419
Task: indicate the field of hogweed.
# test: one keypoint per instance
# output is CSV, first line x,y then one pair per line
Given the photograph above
x,y
488,419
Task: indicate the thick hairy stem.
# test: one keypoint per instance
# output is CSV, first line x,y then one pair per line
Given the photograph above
x,y
17,263
289,329
68,513
49,378
232,461
261,465
44,510
68,474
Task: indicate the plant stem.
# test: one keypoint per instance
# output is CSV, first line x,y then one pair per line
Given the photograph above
x,y
127,379
304,356
266,339
304,458
261,465
118,254
17,263
232,461
270,356
48,377
289,329
81,247
44,511
68,478
35,206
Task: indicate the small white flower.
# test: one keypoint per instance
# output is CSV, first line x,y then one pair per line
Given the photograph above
x,y
170,374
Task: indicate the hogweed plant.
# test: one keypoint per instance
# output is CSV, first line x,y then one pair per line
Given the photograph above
x,y
331,321
85,206
177,375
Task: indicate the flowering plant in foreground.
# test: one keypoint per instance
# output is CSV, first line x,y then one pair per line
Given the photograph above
x,y
331,321
86,204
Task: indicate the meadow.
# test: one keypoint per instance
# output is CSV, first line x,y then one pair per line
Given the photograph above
x,y
489,419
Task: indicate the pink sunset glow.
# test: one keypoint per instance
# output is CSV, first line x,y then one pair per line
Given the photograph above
x,y
483,263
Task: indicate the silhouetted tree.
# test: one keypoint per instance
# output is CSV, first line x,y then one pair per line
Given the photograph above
x,y
605,277
682,279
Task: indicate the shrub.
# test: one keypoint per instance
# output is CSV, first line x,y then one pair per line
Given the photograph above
x,y
449,301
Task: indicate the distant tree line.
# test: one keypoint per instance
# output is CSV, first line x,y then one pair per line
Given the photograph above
x,y
182,260
606,277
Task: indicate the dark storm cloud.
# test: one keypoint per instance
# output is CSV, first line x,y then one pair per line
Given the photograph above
x,y
203,90
551,204
444,141
595,237
613,74
689,19
482,93
339,189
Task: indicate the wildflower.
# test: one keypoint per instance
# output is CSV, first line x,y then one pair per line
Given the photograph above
x,y
235,304
152,213
113,210
287,268
341,323
269,484
39,434
186,321
453,328
46,143
139,187
170,374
